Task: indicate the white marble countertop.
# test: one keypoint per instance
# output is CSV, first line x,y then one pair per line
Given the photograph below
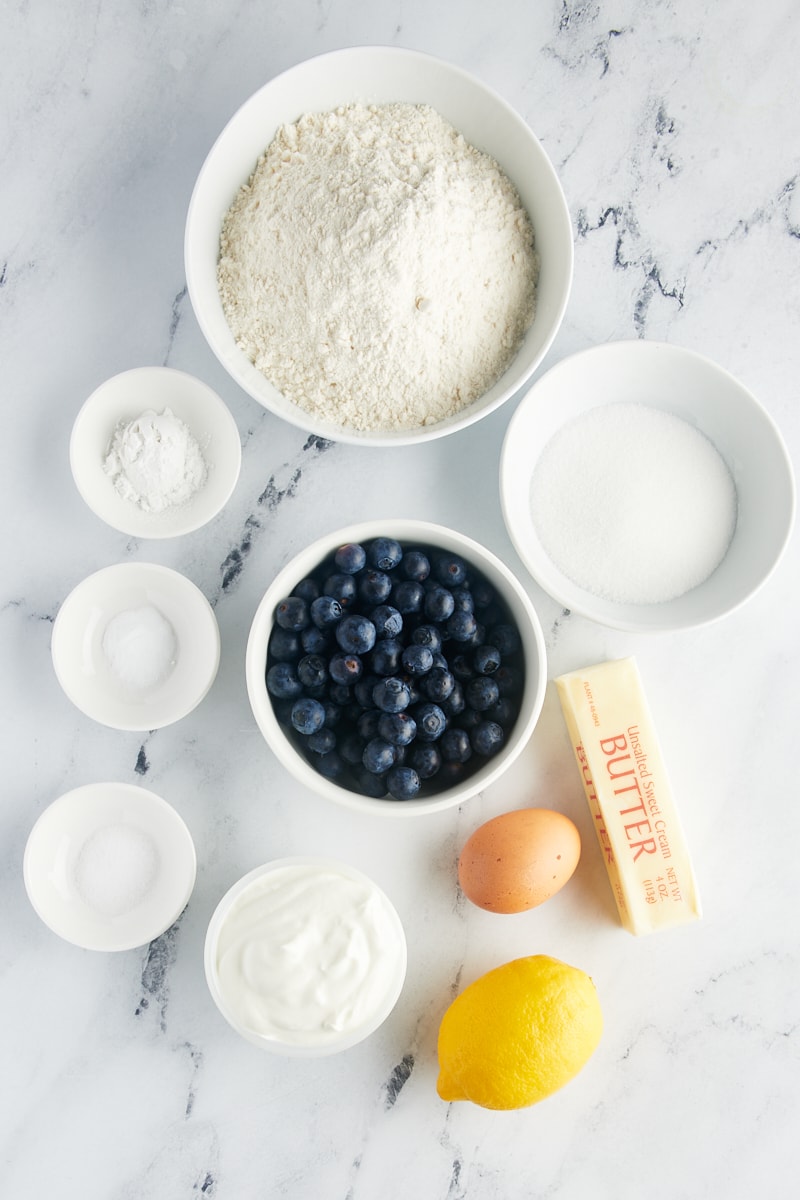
x,y
674,129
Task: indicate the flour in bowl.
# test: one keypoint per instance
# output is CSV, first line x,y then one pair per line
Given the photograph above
x,y
377,269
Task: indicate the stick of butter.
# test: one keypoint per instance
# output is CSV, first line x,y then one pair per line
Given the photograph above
x,y
629,795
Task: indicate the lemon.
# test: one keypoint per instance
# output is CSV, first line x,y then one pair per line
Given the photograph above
x,y
518,1033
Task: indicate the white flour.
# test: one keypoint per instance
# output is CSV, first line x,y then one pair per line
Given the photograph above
x,y
155,461
378,269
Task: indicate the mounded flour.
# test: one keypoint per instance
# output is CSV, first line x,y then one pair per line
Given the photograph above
x,y
377,269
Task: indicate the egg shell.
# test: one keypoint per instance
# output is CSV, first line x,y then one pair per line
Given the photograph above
x,y
518,860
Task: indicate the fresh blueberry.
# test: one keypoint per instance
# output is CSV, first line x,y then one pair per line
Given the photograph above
x,y
415,565
378,756
508,679
363,689
312,671
367,724
351,747
387,620
355,634
428,635
284,645
342,587
482,692
431,722
486,660
417,660
478,638
487,738
391,694
438,684
292,613
426,760
461,667
503,712
323,741
374,587
454,746
408,596
350,558
333,713
449,569
314,640
387,656
384,553
461,626
455,702
368,784
344,667
439,603
325,610
307,715
463,600
341,693
330,766
282,681
482,591
470,718
506,638
398,728
307,589
403,783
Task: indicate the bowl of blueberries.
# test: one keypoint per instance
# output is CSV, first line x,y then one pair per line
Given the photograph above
x,y
396,667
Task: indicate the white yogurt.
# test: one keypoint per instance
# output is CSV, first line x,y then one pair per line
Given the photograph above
x,y
309,953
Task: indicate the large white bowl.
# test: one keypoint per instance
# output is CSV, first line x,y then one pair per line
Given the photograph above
x,y
416,533
377,74
701,393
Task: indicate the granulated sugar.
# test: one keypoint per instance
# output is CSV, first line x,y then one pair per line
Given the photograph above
x,y
633,504
140,646
378,269
115,869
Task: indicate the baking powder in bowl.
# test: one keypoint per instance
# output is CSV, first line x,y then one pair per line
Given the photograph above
x,y
633,503
155,461
378,269
140,647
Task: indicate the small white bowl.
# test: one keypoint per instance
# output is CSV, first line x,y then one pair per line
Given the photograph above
x,y
333,928
81,664
412,533
109,866
125,397
379,75
691,387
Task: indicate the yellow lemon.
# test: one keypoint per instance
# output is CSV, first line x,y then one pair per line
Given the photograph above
x,y
518,1033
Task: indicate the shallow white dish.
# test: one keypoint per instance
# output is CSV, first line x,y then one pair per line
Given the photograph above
x,y
125,397
345,1038
707,397
53,871
413,533
81,664
380,75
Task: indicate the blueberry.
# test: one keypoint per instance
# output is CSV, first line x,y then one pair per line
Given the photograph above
x,y
449,569
315,641
427,635
342,587
439,603
470,718
506,638
387,620
351,748
341,693
344,667
463,600
307,589
284,645
307,715
431,722
454,746
426,760
438,684
367,724
455,702
487,738
355,634
403,783
292,613
374,587
478,638
398,728
508,679
482,592
333,713
387,656
482,692
486,660
363,689
384,553
282,681
415,565
312,671
504,712
461,626
378,756
330,766
391,694
417,660
408,596
323,741
350,558
369,784
325,610
461,667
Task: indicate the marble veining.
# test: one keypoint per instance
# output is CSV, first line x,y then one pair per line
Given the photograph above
x,y
674,129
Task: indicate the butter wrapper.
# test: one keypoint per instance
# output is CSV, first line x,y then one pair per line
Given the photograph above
x,y
629,796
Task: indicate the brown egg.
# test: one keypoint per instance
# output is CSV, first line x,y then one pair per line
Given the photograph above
x,y
518,860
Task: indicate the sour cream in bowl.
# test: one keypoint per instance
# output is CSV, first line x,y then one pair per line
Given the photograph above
x,y
305,956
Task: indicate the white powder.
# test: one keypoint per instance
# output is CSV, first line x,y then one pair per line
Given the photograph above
x,y
115,869
155,461
633,504
378,269
140,647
